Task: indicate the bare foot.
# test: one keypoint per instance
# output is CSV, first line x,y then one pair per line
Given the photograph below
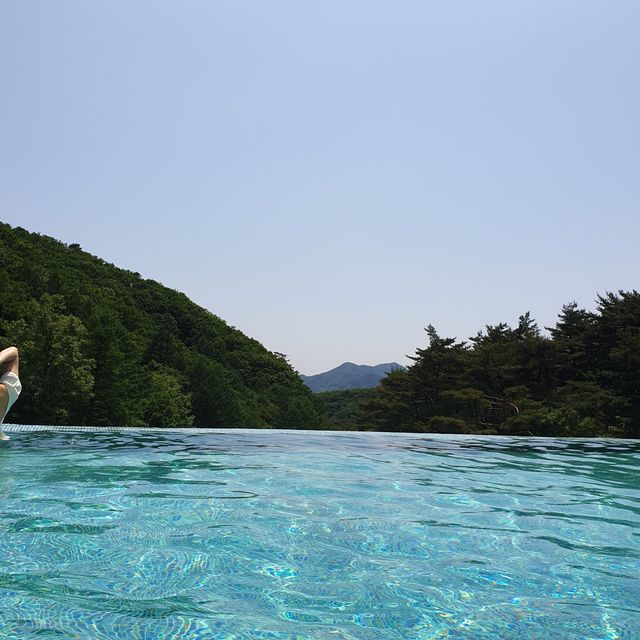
x,y
4,436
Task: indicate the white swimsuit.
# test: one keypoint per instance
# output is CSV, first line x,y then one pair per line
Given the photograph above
x,y
12,382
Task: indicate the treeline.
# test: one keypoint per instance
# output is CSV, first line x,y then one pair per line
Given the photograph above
x,y
580,379
342,407
102,346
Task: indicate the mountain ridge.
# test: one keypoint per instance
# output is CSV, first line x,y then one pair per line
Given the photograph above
x,y
349,375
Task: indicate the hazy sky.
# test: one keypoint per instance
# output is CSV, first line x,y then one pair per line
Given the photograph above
x,y
331,176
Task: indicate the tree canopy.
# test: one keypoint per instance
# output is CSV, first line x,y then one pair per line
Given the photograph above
x,y
580,379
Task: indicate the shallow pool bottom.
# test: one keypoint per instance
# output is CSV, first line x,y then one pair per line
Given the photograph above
x,y
130,533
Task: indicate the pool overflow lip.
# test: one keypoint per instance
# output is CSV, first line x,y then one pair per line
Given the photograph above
x,y
26,428
409,435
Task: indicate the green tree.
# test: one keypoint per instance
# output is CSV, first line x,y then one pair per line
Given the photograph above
x,y
56,371
215,402
167,404
110,351
392,407
573,338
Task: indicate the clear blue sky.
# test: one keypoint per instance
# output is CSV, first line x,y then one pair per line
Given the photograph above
x,y
331,176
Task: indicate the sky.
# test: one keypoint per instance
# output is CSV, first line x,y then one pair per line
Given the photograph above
x,y
331,176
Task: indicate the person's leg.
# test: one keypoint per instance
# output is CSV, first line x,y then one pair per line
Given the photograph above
x,y
9,362
4,400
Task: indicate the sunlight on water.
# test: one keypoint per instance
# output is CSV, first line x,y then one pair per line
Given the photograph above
x,y
307,535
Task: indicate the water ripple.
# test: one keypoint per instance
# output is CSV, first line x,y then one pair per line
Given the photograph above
x,y
111,534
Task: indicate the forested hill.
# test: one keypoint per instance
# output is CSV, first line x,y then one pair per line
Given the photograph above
x,y
102,346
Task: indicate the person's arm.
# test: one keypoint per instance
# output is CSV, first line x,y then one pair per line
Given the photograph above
x,y
9,360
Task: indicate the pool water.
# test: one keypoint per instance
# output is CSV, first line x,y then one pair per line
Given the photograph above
x,y
306,535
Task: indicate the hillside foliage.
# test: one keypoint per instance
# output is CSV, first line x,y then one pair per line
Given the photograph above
x,y
341,407
103,346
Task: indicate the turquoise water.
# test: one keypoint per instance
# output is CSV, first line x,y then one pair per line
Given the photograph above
x,y
306,535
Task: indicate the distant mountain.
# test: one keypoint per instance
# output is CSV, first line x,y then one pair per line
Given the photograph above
x,y
349,376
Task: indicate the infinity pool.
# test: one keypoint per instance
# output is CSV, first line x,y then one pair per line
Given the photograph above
x,y
306,535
